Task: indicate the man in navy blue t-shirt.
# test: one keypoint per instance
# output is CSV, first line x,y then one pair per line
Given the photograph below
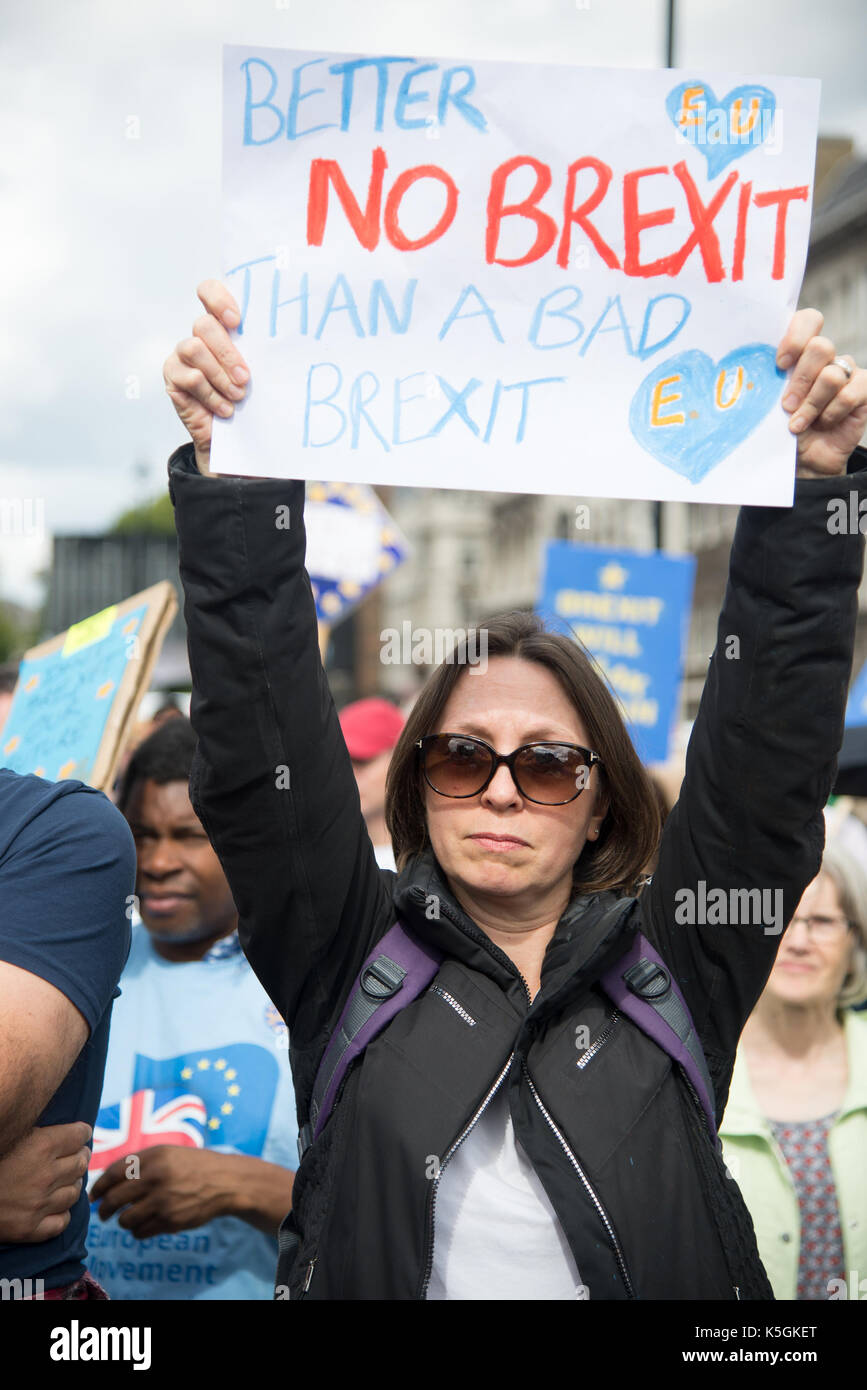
x,y
67,875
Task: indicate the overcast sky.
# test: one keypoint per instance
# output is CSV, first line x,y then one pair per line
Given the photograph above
x,y
105,237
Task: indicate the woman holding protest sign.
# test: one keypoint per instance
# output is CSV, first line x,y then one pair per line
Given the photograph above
x,y
514,1093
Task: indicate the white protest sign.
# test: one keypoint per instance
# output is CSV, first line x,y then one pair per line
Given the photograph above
x,y
514,277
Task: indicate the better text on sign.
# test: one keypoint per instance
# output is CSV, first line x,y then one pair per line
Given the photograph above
x,y
514,277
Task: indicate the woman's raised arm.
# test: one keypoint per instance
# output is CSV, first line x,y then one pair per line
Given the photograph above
x,y
272,781
746,835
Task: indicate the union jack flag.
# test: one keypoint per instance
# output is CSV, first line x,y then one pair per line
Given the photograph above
x,y
217,1097
145,1119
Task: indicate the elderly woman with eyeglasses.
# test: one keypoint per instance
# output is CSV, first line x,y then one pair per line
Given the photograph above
x,y
795,1129
517,1130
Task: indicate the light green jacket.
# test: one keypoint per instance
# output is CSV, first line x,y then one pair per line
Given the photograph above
x,y
757,1165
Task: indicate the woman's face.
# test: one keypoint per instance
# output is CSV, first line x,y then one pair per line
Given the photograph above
x,y
498,844
811,966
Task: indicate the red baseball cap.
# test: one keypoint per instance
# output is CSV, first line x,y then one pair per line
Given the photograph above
x,y
370,727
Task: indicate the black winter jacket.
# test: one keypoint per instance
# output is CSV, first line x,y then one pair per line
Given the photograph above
x,y
619,1144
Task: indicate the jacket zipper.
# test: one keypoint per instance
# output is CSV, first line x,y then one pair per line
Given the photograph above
x,y
480,937
450,999
308,1278
570,1155
624,1273
435,1181
698,1105
599,1043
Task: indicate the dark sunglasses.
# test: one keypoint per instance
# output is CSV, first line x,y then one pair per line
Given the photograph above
x,y
551,774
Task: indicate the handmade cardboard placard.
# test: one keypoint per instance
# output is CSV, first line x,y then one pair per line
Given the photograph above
x,y
77,694
513,276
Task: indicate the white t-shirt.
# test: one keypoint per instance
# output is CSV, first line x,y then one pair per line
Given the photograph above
x,y
385,856
496,1233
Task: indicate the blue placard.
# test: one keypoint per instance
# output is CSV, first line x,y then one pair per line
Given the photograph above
x,y
856,708
631,612
64,698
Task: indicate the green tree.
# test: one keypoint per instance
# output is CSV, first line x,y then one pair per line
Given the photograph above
x,y
151,518
15,637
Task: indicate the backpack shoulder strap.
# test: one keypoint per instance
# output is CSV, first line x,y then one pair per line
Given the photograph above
x,y
400,968
642,987
395,973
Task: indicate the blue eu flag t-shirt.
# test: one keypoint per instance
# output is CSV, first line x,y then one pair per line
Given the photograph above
x,y
198,1057
67,874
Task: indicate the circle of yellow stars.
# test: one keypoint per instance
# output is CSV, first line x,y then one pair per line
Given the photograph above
x,y
333,602
229,1075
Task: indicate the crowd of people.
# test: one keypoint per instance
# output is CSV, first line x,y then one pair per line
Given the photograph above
x,y
420,1019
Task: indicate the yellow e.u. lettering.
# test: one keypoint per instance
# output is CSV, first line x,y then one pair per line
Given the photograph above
x,y
690,113
658,400
738,387
742,126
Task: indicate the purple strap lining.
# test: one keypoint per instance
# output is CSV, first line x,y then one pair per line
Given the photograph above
x,y
649,1021
421,964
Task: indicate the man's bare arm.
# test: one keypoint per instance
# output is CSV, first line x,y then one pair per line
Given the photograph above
x,y
41,1035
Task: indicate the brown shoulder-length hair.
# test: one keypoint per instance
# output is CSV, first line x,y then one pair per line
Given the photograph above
x,y
630,832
